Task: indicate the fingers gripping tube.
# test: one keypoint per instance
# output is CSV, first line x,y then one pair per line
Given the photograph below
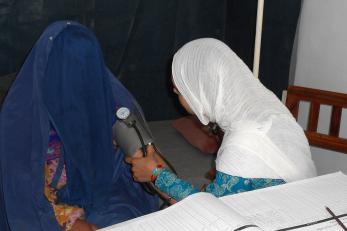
x,y
130,133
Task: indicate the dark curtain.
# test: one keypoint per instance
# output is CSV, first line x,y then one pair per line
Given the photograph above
x,y
151,34
279,27
139,38
280,21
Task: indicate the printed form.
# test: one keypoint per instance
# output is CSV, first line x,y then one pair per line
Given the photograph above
x,y
296,204
299,206
201,211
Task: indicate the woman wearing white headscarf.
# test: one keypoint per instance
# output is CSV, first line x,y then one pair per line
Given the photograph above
x,y
262,146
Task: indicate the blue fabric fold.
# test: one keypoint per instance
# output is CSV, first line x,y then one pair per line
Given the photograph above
x,y
3,217
65,82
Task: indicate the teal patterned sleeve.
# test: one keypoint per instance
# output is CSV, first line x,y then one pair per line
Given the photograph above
x,y
223,185
258,183
176,188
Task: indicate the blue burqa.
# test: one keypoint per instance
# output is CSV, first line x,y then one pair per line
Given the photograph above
x,y
64,83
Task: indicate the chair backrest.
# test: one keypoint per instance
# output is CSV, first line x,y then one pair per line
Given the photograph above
x,y
315,97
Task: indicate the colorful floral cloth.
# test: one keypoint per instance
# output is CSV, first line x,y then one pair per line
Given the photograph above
x,y
66,215
224,184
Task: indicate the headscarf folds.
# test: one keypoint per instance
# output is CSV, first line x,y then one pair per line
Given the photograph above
x,y
262,139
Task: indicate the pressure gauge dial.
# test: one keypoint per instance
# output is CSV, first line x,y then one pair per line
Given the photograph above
x,y
123,113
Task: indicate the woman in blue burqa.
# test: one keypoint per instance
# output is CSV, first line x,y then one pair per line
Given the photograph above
x,y
60,169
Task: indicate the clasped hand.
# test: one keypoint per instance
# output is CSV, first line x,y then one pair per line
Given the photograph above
x,y
142,167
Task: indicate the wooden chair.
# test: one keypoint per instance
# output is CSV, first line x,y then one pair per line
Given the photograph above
x,y
337,101
315,97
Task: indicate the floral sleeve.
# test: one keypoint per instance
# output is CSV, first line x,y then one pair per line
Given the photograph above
x,y
258,183
224,184
170,184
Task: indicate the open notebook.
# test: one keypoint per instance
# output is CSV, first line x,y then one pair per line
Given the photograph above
x,y
299,206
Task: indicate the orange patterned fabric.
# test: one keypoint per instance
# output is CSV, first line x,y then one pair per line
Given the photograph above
x,y
66,215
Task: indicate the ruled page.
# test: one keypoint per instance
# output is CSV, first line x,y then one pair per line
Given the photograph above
x,y
200,211
295,204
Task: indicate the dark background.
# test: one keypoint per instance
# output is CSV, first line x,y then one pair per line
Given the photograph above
x,y
139,38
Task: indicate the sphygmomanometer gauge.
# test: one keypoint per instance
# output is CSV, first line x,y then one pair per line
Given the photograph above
x,y
123,113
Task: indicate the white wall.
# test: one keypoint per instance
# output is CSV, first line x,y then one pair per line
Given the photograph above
x,y
321,62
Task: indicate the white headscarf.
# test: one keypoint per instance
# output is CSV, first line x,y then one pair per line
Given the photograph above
x,y
262,139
